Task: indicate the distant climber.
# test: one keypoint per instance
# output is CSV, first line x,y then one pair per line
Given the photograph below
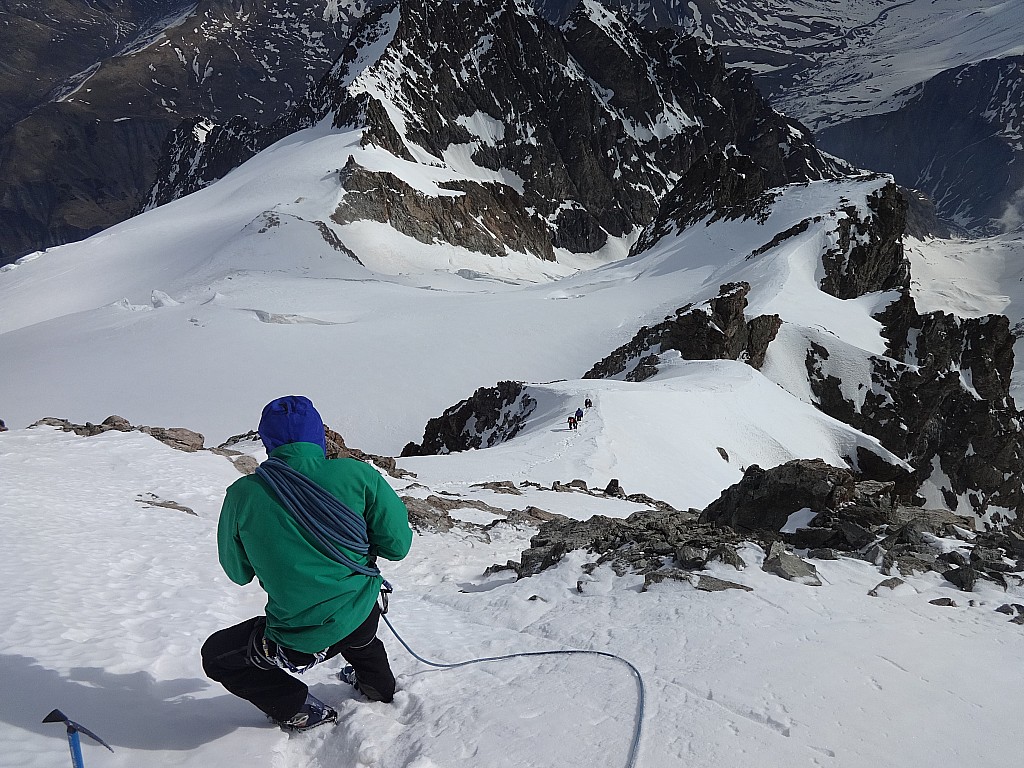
x,y
296,525
588,403
579,415
572,422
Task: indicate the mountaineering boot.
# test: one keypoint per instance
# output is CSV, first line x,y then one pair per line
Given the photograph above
x,y
348,675
311,714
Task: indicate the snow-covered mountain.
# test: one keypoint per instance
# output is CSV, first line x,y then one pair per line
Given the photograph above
x,y
360,209
536,137
972,167
91,90
778,41
826,62
783,383
78,158
927,91
922,89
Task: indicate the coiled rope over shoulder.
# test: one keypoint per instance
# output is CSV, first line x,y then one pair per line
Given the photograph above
x,y
320,513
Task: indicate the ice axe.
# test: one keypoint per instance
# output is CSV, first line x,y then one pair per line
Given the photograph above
x,y
74,743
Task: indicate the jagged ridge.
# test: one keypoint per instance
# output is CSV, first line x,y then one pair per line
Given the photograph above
x,y
572,134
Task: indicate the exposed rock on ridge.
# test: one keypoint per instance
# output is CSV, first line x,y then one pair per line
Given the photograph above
x,y
716,330
869,255
582,128
487,218
844,513
490,416
941,400
176,437
763,500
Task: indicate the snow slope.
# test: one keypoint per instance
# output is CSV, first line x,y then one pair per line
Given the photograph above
x,y
237,281
686,414
191,315
107,600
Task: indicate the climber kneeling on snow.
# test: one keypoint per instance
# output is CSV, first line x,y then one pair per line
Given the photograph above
x,y
310,529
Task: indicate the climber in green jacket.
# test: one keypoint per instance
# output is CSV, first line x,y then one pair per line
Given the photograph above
x,y
322,594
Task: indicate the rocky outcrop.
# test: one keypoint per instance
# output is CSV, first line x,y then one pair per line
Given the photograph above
x,y
923,220
788,566
700,581
433,514
763,500
197,152
868,253
176,437
488,218
637,543
941,400
841,513
660,544
186,440
490,416
726,184
716,330
838,510
337,449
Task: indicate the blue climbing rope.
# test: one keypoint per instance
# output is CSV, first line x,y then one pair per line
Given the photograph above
x,y
334,525
634,746
325,517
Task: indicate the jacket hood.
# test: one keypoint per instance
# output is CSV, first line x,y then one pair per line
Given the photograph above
x,y
291,419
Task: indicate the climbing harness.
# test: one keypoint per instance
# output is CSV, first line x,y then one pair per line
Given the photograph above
x,y
266,654
334,525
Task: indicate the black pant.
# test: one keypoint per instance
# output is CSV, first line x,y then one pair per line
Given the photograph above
x,y
227,660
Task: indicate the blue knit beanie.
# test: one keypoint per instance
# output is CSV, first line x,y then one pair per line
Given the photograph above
x,y
291,419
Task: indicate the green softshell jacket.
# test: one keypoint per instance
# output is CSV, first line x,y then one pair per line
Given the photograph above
x,y
313,600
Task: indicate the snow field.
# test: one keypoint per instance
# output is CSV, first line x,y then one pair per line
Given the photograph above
x,y
107,602
380,349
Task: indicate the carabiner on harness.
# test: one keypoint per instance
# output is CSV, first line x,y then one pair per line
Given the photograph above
x,y
385,590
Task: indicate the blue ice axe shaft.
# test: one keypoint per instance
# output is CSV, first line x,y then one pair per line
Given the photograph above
x,y
74,741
